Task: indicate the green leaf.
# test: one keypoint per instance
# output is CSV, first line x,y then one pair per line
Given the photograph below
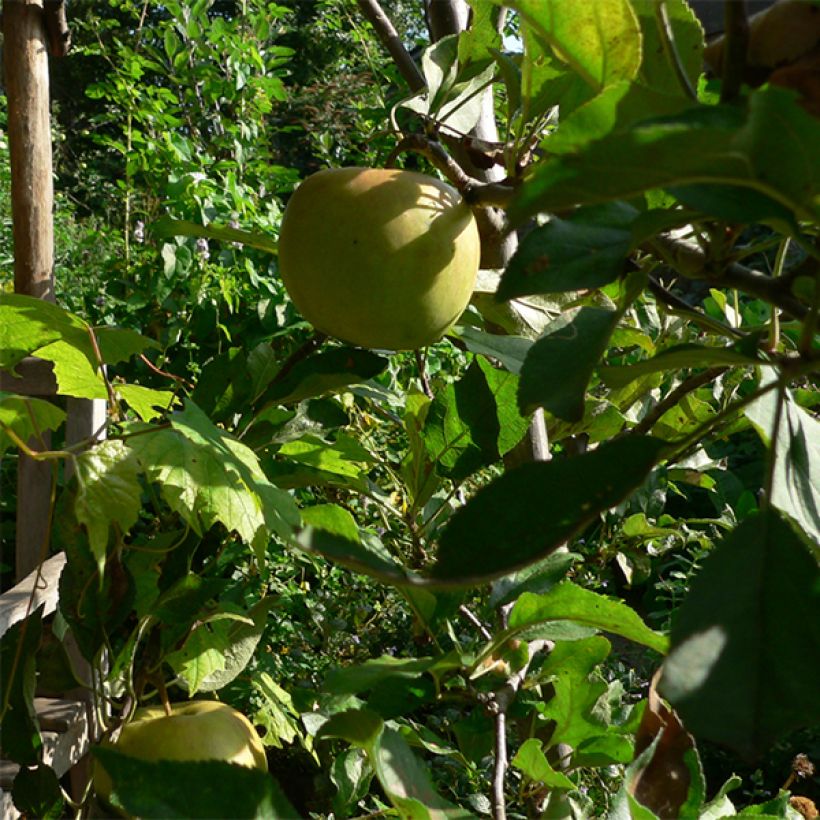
x,y
796,483
331,531
344,457
75,369
401,774
461,429
118,344
657,70
18,722
736,672
721,145
510,351
37,793
325,372
560,364
503,386
601,41
277,713
578,687
675,358
566,601
108,493
350,680
166,227
26,417
147,402
202,789
528,512
27,324
208,477
531,760
538,578
565,255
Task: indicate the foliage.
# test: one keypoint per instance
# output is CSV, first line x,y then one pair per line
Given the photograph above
x,y
340,542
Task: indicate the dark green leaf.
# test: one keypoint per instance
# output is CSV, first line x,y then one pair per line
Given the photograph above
x,y
528,512
325,372
569,602
331,531
350,680
37,793
675,358
509,350
559,366
709,144
166,227
21,735
202,789
737,671
564,256
118,345
538,578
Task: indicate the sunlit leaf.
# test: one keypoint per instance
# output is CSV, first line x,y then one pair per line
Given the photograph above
x,y
26,417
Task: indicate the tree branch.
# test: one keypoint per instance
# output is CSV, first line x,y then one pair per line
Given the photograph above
x,y
692,262
389,37
736,45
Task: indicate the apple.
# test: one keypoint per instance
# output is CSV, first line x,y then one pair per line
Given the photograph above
x,y
197,730
379,258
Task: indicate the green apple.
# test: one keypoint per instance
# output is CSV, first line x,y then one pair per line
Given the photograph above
x,y
197,730
379,258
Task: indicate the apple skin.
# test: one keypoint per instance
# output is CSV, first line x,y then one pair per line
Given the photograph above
x,y
379,258
197,730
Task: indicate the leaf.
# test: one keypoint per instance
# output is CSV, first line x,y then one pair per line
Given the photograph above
x,y
510,351
571,668
28,324
671,781
736,672
565,255
558,368
721,145
331,531
26,417
147,402
277,713
566,601
675,358
208,477
538,578
18,722
37,793
118,344
531,760
108,493
601,41
325,372
345,457
351,680
796,481
528,512
399,771
461,428
166,227
75,369
656,70
201,789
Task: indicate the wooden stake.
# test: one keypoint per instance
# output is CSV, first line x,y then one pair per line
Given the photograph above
x,y
25,63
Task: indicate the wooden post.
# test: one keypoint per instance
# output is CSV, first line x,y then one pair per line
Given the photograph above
x,y
25,64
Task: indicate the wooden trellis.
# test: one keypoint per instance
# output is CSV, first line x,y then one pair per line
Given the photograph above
x,y
33,29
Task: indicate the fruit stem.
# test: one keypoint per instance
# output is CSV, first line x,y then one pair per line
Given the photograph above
x,y
163,696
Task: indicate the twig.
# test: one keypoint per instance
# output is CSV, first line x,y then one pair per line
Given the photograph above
x,y
476,194
425,382
473,619
679,307
386,32
735,48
